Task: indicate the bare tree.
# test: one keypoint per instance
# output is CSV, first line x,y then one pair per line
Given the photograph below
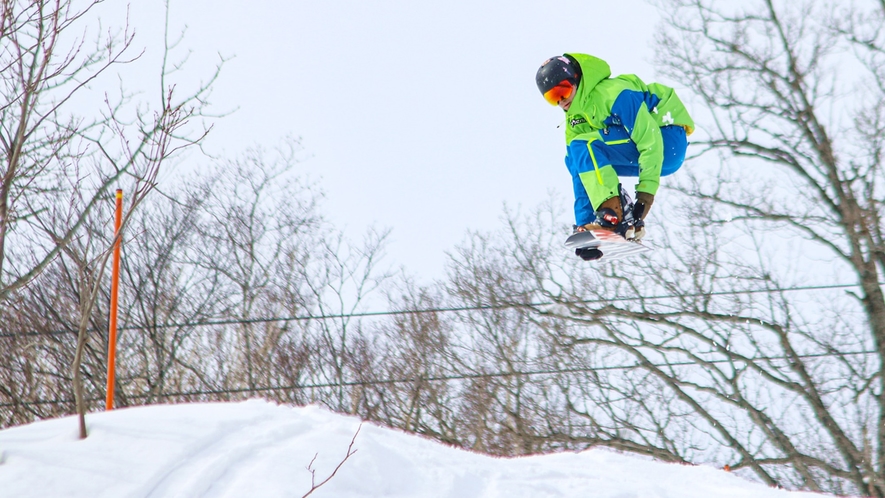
x,y
59,166
402,363
313,473
339,280
53,157
256,214
164,296
795,91
753,336
44,66
234,286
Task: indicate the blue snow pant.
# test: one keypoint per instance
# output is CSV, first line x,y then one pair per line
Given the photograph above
x,y
614,148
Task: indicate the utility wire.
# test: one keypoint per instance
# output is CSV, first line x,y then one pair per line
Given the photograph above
x,y
438,378
367,314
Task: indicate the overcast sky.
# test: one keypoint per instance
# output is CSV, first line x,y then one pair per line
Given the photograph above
x,y
422,117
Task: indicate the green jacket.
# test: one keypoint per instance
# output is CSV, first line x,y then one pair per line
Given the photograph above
x,y
601,102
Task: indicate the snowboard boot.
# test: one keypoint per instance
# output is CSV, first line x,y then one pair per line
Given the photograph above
x,y
608,216
614,215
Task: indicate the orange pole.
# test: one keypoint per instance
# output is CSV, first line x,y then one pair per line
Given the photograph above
x,y
115,277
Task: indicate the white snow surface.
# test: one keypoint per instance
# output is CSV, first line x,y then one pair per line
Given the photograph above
x,y
260,449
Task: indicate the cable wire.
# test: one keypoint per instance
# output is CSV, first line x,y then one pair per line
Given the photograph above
x,y
368,314
438,378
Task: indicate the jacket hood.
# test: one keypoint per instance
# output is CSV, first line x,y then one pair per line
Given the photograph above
x,y
593,70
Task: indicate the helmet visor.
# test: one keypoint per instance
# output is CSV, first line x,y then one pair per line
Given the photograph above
x,y
560,92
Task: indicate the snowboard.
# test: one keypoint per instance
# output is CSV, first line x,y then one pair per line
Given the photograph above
x,y
611,245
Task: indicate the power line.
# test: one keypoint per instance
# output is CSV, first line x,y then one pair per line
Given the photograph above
x,y
370,314
437,378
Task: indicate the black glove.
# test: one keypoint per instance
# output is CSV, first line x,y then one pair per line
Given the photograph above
x,y
641,208
642,205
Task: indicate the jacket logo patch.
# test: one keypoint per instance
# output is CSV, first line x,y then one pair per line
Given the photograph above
x,y
576,121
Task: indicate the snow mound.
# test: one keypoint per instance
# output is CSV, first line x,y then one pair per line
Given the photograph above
x,y
259,449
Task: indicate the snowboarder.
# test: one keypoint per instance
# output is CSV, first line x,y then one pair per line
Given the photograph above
x,y
615,126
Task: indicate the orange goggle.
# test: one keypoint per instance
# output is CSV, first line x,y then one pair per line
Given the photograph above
x,y
561,91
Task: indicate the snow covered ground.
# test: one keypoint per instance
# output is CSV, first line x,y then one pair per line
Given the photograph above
x,y
259,449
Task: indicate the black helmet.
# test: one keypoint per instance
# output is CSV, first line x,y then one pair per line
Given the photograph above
x,y
554,71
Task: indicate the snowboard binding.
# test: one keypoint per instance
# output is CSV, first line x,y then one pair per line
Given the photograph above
x,y
628,224
615,237
608,219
